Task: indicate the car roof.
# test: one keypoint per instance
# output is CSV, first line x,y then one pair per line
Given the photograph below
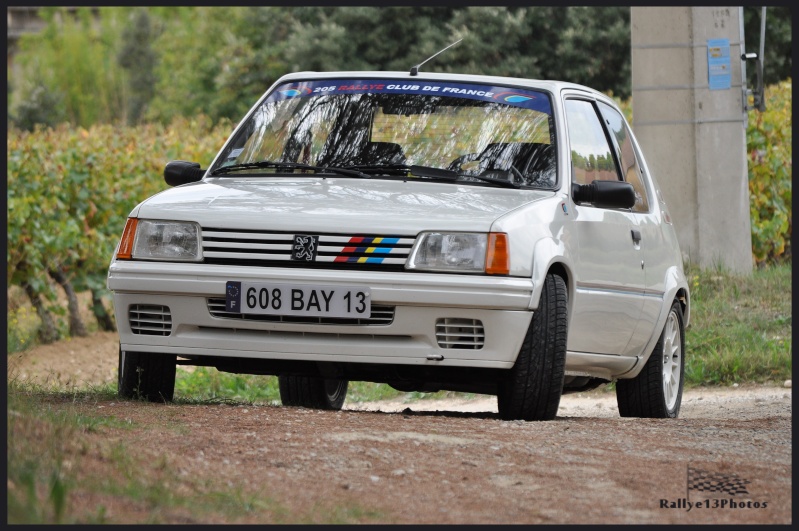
x,y
542,84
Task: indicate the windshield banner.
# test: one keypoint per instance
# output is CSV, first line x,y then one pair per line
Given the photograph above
x,y
527,99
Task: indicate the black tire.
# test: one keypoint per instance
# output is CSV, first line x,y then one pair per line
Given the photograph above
x,y
534,385
654,393
145,375
314,393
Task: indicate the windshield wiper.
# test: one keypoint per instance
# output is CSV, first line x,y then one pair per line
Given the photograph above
x,y
405,169
362,171
399,169
352,172
429,171
436,173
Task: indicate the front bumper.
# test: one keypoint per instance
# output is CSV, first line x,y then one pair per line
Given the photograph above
x,y
420,300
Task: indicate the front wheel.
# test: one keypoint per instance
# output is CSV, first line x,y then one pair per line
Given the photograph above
x,y
146,375
314,393
657,391
532,389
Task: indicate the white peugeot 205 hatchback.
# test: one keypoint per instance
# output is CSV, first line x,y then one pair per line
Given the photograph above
x,y
428,231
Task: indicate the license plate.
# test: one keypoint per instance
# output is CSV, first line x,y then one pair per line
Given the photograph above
x,y
304,300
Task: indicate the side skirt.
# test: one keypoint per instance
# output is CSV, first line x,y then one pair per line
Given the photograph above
x,y
604,366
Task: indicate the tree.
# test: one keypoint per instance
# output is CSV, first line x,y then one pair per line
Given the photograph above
x,y
778,43
73,58
366,38
497,41
595,49
138,58
251,59
41,106
166,62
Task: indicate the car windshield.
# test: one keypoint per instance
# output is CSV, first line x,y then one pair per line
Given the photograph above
x,y
478,134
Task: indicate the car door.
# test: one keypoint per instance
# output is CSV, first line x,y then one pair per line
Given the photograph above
x,y
657,256
609,274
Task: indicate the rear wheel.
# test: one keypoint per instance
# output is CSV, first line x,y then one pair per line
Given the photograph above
x,y
145,375
315,393
657,390
533,388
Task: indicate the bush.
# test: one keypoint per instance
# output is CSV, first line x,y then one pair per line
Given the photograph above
x,y
769,142
42,106
71,189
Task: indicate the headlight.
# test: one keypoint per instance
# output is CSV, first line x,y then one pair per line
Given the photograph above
x,y
460,252
160,240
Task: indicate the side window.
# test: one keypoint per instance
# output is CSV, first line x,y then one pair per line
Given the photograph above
x,y
624,148
592,156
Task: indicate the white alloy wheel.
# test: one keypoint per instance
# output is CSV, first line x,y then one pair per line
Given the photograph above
x,y
656,392
672,360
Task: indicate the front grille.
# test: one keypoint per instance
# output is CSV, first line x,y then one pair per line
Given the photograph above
x,y
380,316
340,251
150,320
460,333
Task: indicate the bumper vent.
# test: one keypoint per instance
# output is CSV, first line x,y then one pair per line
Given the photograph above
x,y
381,316
460,333
150,320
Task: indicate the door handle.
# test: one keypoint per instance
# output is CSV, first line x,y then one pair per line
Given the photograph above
x,y
636,234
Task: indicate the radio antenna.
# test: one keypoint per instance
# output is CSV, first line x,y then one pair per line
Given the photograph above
x,y
415,69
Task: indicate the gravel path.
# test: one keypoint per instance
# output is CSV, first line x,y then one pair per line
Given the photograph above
x,y
439,462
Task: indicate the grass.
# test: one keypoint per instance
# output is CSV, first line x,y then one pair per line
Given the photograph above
x,y
59,456
22,327
740,332
203,384
38,470
740,326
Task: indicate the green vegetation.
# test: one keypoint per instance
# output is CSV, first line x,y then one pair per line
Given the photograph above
x,y
70,187
62,239
740,327
161,62
40,474
204,385
66,464
769,140
740,332
72,178
69,193
69,70
121,64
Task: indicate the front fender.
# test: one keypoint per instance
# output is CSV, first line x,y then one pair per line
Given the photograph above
x,y
549,254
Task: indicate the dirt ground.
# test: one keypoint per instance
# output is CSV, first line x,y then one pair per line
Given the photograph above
x,y
447,462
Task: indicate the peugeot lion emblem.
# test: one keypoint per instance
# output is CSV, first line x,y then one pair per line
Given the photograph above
x,y
304,247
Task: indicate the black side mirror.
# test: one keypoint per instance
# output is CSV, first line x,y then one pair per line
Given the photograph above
x,y
605,194
179,172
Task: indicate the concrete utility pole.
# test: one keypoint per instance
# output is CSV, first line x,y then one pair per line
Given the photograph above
x,y
689,116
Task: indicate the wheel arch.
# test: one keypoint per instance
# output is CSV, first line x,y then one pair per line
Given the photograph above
x,y
676,290
560,269
549,256
685,301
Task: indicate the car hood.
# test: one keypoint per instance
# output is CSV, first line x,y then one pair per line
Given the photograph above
x,y
336,205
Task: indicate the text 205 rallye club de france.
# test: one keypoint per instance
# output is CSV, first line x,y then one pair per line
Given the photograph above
x,y
429,231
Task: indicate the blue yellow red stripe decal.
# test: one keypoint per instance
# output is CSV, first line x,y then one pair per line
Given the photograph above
x,y
364,245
